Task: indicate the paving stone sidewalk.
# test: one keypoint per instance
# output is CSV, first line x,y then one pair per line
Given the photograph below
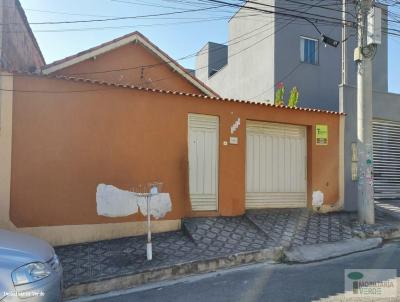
x,y
389,207
88,262
294,227
203,239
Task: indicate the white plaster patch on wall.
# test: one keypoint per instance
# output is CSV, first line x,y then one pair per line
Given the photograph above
x,y
114,202
160,205
317,198
235,126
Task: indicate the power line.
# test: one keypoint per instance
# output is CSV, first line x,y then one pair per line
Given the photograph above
x,y
187,56
146,3
320,6
314,17
235,41
149,16
242,50
195,20
126,18
222,4
257,42
296,11
121,26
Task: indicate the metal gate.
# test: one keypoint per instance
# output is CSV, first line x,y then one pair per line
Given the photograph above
x,y
276,164
386,136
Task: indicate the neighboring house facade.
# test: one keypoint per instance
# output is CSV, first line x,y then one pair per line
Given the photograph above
x,y
88,132
95,118
86,120
19,49
266,49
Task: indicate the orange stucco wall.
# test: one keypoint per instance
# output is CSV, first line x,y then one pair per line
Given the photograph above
x,y
125,63
65,144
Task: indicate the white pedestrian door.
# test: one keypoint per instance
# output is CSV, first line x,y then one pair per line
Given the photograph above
x,y
276,175
203,162
386,159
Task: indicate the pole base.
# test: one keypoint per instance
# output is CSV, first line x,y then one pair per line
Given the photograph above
x,y
149,251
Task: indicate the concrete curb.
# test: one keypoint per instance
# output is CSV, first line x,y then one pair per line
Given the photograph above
x,y
323,251
393,235
386,235
172,272
385,232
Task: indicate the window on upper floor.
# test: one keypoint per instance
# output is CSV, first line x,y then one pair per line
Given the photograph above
x,y
309,50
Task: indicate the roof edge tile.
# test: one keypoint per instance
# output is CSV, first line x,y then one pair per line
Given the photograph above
x,y
155,90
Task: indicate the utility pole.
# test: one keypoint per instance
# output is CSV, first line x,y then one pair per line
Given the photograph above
x,y
344,43
363,55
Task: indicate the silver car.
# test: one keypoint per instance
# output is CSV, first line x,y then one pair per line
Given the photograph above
x,y
29,269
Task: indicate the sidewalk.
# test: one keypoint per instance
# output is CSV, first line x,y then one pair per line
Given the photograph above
x,y
204,244
389,207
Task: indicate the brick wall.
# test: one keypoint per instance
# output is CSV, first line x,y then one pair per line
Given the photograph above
x,y
18,47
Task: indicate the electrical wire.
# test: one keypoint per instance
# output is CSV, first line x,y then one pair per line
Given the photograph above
x,y
125,18
305,19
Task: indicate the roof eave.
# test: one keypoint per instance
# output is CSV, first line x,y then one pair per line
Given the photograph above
x,y
136,36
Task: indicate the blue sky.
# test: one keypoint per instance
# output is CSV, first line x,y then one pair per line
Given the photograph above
x,y
178,40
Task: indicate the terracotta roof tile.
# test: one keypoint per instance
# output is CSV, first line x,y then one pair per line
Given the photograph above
x,y
89,50
155,90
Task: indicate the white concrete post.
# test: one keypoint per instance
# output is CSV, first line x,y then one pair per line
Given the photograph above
x,y
344,42
6,114
364,120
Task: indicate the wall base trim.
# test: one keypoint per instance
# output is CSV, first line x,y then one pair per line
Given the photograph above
x,y
70,234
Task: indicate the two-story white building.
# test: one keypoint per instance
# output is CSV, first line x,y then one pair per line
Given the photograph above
x,y
264,49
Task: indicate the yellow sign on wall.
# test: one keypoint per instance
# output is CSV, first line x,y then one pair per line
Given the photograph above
x,y
321,135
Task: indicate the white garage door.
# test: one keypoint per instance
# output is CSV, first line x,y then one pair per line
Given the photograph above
x,y
386,159
203,162
276,175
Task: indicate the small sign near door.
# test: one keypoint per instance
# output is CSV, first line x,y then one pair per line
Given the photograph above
x,y
233,140
321,135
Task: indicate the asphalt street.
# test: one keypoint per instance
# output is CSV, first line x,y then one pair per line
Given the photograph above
x,y
264,282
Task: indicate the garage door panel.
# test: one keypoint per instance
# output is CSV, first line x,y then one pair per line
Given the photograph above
x,y
274,200
386,159
275,165
275,153
256,167
279,144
